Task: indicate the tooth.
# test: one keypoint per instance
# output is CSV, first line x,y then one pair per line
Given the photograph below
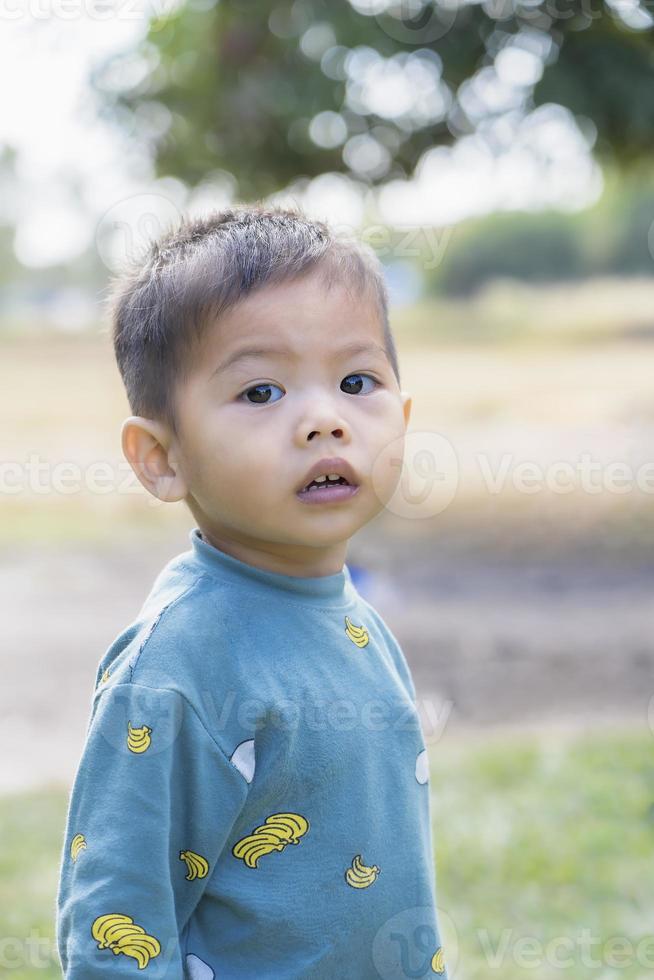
x,y
320,479
333,476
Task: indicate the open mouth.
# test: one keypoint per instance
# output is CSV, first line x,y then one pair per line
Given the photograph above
x,y
329,480
328,490
323,482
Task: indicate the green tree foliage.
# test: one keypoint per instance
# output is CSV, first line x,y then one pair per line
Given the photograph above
x,y
271,91
533,247
614,237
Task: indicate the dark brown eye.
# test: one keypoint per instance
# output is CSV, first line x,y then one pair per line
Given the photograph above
x,y
354,387
262,394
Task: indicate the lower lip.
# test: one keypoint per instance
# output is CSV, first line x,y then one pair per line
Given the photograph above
x,y
330,495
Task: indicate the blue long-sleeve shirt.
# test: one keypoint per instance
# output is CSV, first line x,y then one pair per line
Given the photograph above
x,y
252,798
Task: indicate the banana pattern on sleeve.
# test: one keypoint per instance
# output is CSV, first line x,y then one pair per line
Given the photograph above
x,y
253,796
143,833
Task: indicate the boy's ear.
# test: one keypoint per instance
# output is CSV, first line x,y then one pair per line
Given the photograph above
x,y
406,406
146,447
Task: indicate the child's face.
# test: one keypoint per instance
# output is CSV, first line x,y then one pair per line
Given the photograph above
x,y
250,431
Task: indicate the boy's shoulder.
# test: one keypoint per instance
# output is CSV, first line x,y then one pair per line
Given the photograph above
x,y
182,647
176,628
393,645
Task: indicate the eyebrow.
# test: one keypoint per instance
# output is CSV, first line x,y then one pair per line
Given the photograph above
x,y
247,353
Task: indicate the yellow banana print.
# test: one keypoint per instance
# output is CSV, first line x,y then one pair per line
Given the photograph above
x,y
198,867
358,634
294,823
120,933
279,830
77,844
438,961
359,875
105,676
138,739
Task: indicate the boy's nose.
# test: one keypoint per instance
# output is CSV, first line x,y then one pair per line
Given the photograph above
x,y
335,432
322,423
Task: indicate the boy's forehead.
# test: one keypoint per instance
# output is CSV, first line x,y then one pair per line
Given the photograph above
x,y
296,314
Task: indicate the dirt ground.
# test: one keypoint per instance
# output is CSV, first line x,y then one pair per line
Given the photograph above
x,y
493,641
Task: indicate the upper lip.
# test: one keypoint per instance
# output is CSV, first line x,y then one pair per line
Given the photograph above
x,y
332,464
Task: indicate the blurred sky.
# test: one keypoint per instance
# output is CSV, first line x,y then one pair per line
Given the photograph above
x,y
72,167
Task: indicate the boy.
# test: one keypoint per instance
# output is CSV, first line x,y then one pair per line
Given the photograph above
x,y
252,800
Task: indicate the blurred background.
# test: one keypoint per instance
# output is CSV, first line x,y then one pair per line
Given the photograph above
x,y
498,157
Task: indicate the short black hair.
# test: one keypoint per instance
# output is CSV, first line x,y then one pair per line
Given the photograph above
x,y
160,306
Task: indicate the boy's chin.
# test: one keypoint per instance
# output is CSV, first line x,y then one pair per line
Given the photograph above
x,y
331,537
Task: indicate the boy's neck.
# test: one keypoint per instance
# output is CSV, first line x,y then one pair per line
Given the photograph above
x,y
282,558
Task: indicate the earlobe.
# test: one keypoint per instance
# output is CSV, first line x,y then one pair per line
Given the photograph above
x,y
406,407
145,445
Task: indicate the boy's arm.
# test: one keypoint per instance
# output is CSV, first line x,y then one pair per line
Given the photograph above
x,y
151,808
